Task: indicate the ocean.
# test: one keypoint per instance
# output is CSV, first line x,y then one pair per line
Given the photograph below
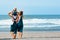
x,y
33,22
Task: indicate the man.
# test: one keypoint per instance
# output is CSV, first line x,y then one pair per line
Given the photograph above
x,y
14,15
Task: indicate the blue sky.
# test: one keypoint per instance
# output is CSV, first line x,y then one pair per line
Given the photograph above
x,y
31,7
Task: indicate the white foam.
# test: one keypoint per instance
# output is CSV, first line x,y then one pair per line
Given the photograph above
x,y
33,21
55,21
6,22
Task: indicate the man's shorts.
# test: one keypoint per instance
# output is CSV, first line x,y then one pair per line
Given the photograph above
x,y
14,28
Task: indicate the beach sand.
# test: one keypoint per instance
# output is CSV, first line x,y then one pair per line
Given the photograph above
x,y
33,35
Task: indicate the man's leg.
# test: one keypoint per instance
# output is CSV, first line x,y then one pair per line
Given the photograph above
x,y
13,35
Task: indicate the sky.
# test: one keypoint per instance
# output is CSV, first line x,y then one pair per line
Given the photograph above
x,y
31,7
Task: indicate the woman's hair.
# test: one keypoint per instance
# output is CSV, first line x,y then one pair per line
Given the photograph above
x,y
21,13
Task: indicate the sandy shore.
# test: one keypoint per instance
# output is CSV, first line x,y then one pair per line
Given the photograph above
x,y
33,35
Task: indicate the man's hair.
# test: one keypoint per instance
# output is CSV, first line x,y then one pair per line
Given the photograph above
x,y
15,9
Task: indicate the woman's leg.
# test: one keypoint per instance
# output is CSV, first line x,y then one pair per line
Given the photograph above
x,y
20,31
19,34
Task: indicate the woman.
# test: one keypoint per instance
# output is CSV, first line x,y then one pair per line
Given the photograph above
x,y
20,24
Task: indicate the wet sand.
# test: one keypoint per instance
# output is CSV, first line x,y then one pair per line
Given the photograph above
x,y
33,35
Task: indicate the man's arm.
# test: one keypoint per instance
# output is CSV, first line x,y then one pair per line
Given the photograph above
x,y
10,14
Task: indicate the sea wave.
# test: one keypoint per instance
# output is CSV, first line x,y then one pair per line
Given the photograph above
x,y
33,22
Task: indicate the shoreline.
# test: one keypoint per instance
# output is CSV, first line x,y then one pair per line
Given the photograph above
x,y
33,29
33,35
